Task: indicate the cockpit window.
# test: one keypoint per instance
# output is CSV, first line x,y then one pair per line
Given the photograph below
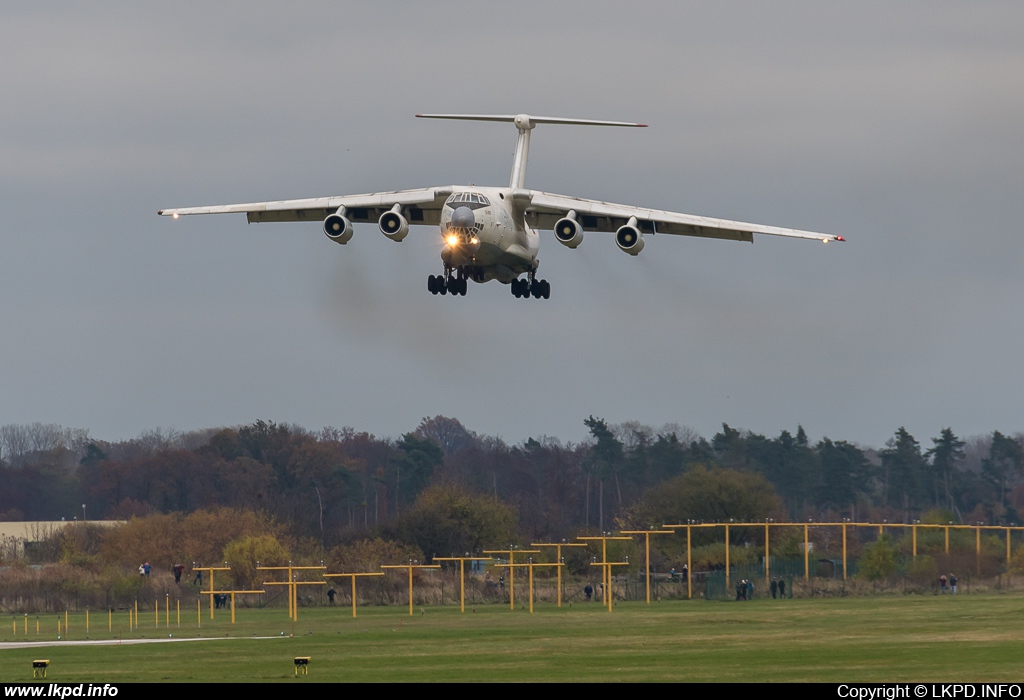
x,y
471,200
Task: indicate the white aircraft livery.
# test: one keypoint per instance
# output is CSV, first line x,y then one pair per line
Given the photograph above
x,y
490,233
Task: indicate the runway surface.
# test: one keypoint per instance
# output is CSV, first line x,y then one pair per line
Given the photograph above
x,y
115,642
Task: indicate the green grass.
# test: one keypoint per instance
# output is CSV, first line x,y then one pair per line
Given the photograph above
x,y
940,638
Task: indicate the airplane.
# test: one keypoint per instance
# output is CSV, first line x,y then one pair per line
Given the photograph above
x,y
491,233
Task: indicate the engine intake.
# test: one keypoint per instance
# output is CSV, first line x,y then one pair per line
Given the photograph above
x,y
629,239
393,225
338,228
569,232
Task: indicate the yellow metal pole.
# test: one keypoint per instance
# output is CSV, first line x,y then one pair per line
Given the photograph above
x,y
179,613
558,571
212,589
67,622
26,624
807,554
410,590
1007,548
110,619
58,627
156,612
462,585
167,610
689,576
604,572
766,566
199,613
727,573
844,551
947,540
647,540
37,626
87,622
232,607
530,567
977,548
913,536
353,595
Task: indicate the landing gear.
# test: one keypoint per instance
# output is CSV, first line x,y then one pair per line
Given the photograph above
x,y
448,283
524,289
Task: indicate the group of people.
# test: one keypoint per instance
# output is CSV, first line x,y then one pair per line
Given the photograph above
x,y
951,582
177,570
745,589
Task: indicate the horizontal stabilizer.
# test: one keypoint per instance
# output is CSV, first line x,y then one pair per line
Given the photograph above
x,y
525,121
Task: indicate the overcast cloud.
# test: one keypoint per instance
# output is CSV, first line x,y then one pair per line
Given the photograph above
x,y
897,126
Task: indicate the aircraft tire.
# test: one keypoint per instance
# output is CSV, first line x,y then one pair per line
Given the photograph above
x,y
545,289
431,284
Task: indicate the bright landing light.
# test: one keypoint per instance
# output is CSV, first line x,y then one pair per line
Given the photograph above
x,y
174,215
452,240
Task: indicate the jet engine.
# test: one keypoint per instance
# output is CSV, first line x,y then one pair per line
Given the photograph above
x,y
569,232
629,239
393,225
338,228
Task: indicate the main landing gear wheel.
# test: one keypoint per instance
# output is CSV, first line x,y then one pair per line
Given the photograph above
x,y
524,289
456,286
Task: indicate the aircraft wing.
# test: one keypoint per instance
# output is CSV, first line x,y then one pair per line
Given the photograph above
x,y
543,210
422,206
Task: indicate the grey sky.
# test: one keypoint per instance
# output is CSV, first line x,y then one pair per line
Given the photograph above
x,y
897,126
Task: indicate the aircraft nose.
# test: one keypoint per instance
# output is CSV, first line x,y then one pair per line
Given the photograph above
x,y
463,218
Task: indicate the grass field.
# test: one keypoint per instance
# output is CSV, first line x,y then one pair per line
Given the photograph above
x,y
911,638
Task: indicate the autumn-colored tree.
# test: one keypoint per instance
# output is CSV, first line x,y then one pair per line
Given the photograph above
x,y
450,520
246,553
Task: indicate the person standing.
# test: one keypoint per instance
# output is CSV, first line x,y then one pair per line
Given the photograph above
x,y
952,583
782,588
774,588
178,569
942,583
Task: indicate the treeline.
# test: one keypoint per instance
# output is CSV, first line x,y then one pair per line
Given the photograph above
x,y
336,486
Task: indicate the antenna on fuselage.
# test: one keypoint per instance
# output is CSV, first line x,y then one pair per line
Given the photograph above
x,y
525,123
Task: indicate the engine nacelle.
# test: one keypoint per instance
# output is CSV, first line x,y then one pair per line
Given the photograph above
x,y
338,228
393,225
629,239
569,232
